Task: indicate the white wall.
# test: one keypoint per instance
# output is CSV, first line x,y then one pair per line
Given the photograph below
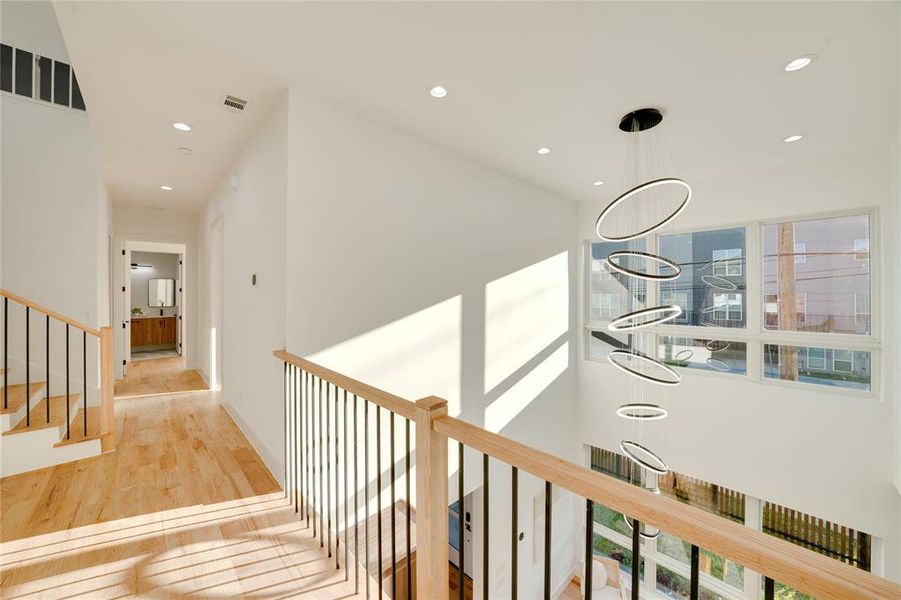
x,y
54,201
250,204
824,453
423,272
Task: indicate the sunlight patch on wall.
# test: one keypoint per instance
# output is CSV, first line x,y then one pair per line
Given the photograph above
x,y
502,411
413,357
525,312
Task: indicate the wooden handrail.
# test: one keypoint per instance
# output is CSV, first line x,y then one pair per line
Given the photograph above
x,y
782,561
395,404
50,313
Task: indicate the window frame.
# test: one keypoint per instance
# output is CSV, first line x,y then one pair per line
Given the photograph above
x,y
754,334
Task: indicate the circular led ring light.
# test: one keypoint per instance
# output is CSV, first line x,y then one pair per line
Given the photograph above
x,y
630,449
641,412
681,352
647,536
628,321
676,378
727,288
711,345
718,365
613,256
637,189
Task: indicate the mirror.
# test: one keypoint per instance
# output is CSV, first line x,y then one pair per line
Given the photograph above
x,y
161,292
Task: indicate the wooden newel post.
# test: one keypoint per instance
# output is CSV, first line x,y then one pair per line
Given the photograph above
x,y
432,576
107,416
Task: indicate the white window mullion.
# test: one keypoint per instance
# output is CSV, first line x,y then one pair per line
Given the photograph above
x,y
753,520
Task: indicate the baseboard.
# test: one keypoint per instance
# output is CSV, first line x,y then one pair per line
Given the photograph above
x,y
204,376
268,460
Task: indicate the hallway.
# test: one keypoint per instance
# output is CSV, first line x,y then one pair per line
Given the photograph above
x,y
183,508
154,376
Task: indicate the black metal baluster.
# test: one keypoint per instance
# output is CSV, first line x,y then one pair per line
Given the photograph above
x,y
84,379
337,521
485,522
289,460
47,364
378,487
346,492
309,430
461,555
284,415
769,589
328,470
300,443
548,490
589,544
695,577
27,368
407,497
68,426
366,485
356,506
296,421
5,353
321,492
636,557
313,456
393,525
514,513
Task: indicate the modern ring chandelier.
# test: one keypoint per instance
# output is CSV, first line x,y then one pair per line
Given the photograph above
x,y
633,207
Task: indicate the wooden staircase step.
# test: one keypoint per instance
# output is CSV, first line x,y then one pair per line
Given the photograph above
x,y
39,414
76,429
17,396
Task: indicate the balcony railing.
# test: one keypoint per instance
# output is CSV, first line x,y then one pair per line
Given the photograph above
x,y
318,447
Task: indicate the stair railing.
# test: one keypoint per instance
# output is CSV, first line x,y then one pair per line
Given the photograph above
x,y
104,336
774,558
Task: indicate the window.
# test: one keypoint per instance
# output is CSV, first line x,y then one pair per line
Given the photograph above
x,y
712,267
727,307
847,368
24,73
816,358
727,263
800,254
703,354
612,294
830,278
61,83
843,361
6,68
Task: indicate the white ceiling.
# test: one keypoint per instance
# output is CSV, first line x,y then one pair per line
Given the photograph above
x,y
520,75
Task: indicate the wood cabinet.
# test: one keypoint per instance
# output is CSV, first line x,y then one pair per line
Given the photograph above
x,y
154,331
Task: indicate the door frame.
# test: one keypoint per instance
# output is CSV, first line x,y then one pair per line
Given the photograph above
x,y
181,250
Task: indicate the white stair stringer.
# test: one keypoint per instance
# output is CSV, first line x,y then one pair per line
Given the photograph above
x,y
32,450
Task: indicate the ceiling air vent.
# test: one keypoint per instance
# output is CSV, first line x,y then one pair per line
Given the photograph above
x,y
235,103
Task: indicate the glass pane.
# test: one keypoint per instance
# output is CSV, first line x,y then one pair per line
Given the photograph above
x,y
61,83
611,519
602,342
674,547
610,549
77,98
706,496
24,73
6,68
45,78
823,366
711,290
817,275
704,354
674,585
786,592
610,293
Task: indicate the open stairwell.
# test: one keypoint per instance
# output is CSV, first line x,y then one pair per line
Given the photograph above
x,y
48,415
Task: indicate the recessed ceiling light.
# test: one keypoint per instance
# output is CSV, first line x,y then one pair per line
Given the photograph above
x,y
799,63
793,138
598,183
182,126
186,151
544,150
166,188
438,91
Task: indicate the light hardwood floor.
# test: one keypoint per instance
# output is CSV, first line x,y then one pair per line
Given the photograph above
x,y
183,508
158,376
